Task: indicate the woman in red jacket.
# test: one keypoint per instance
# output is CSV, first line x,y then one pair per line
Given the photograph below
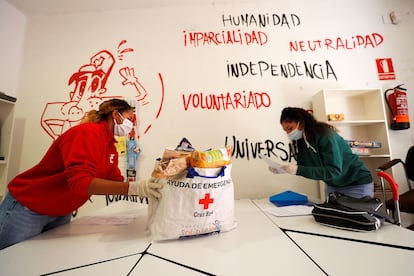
x,y
82,162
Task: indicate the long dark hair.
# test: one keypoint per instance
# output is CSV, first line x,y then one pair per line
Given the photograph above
x,y
307,120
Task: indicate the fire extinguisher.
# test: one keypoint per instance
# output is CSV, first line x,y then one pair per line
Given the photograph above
x,y
398,107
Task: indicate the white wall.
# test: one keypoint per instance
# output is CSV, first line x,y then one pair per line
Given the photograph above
x,y
12,27
56,46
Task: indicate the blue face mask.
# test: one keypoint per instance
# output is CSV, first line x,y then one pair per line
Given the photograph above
x,y
295,134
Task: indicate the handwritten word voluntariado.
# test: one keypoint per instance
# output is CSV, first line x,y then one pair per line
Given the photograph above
x,y
226,100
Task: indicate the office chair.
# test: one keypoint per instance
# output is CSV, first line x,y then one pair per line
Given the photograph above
x,y
400,202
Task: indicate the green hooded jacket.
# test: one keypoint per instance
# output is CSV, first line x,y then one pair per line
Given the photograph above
x,y
329,158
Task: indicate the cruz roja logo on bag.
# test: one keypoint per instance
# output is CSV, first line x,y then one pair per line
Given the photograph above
x,y
206,201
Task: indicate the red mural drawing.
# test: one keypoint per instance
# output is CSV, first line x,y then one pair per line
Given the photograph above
x,y
90,90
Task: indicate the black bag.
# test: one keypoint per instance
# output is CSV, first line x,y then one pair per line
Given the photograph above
x,y
346,212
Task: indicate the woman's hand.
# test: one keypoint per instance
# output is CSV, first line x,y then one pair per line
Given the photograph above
x,y
145,188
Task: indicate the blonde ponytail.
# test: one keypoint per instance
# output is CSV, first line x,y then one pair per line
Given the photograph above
x,y
105,109
91,116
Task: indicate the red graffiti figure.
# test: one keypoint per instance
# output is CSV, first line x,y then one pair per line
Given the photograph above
x,y
89,90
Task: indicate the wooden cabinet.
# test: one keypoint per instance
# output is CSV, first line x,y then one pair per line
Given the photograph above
x,y
6,130
364,120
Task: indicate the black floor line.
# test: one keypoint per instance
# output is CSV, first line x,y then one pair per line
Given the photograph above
x,y
336,237
141,254
297,245
284,230
304,252
350,239
139,259
146,252
183,265
86,265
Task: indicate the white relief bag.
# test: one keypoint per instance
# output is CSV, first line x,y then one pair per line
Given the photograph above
x,y
198,204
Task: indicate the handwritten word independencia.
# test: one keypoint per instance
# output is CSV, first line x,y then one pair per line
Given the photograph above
x,y
339,43
227,100
245,149
261,20
230,37
288,70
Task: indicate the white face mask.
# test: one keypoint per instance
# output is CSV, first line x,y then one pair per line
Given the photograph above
x,y
295,134
124,128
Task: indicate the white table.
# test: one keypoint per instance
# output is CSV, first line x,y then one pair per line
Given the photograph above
x,y
256,246
262,244
388,235
387,251
342,257
76,244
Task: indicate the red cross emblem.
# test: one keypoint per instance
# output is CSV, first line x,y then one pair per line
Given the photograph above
x,y
206,200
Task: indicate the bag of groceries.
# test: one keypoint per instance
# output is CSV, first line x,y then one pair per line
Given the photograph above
x,y
194,201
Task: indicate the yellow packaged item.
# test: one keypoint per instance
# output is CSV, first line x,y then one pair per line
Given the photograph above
x,y
213,158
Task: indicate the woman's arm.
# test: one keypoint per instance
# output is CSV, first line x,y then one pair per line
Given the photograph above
x,y
328,164
100,186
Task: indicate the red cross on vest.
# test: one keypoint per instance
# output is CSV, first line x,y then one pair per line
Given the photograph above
x,y
206,200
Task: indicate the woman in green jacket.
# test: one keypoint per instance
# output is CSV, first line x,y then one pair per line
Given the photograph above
x,y
322,154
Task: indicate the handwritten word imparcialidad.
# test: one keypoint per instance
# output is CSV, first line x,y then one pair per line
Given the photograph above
x,y
229,37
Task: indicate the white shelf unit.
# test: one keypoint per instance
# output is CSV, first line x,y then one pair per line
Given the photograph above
x,y
6,130
364,119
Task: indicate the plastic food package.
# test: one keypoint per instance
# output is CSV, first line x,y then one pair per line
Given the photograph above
x,y
173,163
213,158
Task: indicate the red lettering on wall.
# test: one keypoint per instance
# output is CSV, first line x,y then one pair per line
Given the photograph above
x,y
339,43
226,101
